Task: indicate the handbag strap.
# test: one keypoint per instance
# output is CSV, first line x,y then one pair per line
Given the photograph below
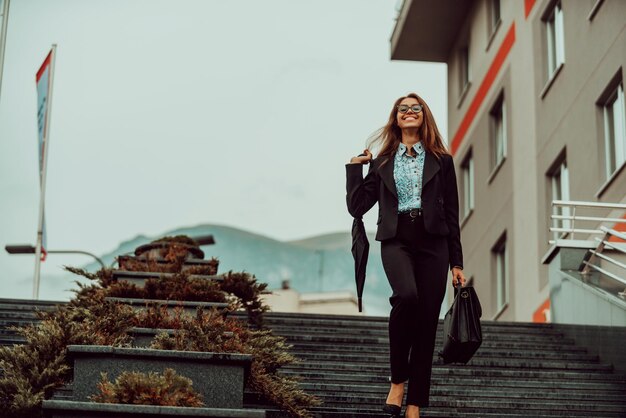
x,y
456,288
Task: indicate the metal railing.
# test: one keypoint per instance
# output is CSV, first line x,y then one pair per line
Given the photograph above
x,y
604,242
564,215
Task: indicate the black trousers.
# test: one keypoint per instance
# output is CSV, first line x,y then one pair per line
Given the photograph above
x,y
416,264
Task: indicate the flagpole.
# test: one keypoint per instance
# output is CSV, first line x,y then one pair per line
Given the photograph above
x,y
44,167
3,37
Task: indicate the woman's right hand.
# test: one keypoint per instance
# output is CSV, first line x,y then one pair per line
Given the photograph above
x,y
363,158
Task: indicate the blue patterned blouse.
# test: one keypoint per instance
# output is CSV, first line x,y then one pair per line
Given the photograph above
x,y
407,172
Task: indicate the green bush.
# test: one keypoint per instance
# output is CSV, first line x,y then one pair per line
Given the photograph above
x,y
242,290
167,389
33,371
177,287
210,331
248,294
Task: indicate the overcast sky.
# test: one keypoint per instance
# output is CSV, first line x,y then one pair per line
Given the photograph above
x,y
169,114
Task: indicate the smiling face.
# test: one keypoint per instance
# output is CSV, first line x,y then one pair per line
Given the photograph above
x,y
410,119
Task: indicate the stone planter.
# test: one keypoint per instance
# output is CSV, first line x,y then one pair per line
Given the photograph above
x,y
188,307
142,337
138,278
219,377
133,263
73,409
154,250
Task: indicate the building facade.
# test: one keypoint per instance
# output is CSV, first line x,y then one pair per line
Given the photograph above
x,y
535,114
287,299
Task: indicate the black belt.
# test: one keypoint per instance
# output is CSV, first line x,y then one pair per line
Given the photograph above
x,y
413,213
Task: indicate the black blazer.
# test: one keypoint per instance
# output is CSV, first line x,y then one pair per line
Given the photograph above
x,y
440,200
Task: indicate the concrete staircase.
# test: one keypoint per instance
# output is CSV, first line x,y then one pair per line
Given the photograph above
x,y
521,370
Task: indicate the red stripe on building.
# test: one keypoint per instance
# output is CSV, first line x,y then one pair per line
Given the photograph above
x,y
485,85
528,6
540,314
619,227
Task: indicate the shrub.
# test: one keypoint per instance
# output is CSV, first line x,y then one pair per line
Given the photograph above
x,y
243,288
210,331
177,287
159,317
133,264
175,249
248,291
167,389
32,371
182,287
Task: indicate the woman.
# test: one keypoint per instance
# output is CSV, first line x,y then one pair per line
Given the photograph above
x,y
414,182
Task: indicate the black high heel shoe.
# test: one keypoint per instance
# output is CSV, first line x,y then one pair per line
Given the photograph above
x,y
392,410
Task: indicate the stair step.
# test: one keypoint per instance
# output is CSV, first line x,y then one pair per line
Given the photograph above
x,y
9,322
344,351
521,369
548,381
28,306
352,334
477,361
19,315
345,325
332,318
374,343
430,412
525,405
490,327
334,392
11,340
463,370
528,404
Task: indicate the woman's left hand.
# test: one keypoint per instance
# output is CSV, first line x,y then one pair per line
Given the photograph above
x,y
457,275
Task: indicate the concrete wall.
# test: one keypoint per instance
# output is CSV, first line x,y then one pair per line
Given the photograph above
x,y
605,342
290,300
568,120
542,125
505,198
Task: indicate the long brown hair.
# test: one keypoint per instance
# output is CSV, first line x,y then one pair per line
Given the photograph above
x,y
389,136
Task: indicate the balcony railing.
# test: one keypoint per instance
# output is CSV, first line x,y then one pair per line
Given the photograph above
x,y
569,224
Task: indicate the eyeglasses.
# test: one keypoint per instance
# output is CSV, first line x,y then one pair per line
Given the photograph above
x,y
405,108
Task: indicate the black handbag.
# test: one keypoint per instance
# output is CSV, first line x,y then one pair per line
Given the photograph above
x,y
462,334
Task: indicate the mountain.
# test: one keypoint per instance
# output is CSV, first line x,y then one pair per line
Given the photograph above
x,y
317,264
322,263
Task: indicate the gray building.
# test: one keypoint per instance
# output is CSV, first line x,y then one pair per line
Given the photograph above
x,y
535,114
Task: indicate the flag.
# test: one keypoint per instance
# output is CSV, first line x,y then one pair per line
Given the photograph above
x,y
43,91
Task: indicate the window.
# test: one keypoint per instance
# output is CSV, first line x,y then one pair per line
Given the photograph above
x,y
559,187
500,258
498,132
467,172
614,130
554,41
494,15
464,73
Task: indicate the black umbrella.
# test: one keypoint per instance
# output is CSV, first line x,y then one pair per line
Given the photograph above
x,y
360,251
